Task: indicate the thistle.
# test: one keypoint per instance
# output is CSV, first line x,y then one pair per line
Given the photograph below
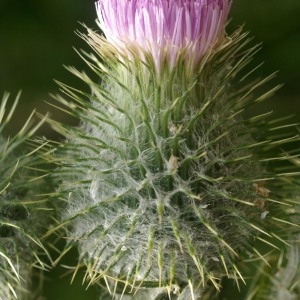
x,y
164,188
282,281
165,30
19,209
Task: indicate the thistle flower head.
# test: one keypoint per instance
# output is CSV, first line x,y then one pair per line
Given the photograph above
x,y
169,190
167,29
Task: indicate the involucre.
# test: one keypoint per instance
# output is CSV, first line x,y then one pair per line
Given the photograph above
x,y
21,207
164,184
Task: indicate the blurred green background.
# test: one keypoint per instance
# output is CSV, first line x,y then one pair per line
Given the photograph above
x,y
37,38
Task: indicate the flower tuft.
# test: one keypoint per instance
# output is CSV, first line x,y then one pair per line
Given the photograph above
x,y
167,29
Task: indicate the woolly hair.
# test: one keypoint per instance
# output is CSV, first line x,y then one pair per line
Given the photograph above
x,y
19,208
163,184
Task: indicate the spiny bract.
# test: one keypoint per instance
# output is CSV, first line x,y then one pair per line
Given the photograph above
x,y
20,219
163,184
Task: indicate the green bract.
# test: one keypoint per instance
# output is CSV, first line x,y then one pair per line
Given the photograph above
x,y
21,219
164,185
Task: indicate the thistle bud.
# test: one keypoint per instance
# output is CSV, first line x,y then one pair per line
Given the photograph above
x,y
163,186
20,210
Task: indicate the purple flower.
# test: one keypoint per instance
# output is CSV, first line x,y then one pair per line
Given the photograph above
x,y
166,29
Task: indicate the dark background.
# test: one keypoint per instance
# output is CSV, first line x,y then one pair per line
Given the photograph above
x,y
37,38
